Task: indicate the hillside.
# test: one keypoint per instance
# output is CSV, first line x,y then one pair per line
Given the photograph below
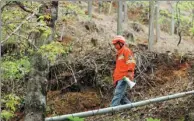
x,y
93,39
81,61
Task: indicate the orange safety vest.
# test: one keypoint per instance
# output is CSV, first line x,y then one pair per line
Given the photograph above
x,y
125,62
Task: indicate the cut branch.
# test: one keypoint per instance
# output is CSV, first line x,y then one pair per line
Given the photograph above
x,y
69,67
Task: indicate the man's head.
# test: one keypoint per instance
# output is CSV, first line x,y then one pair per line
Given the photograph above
x,y
118,42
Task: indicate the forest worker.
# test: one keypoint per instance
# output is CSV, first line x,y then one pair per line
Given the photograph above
x,y
125,66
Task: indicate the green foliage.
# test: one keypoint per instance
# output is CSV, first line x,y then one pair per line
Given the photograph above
x,y
192,31
75,119
53,50
161,20
46,31
15,69
71,11
165,13
7,16
185,16
11,19
151,119
7,115
10,101
42,26
185,20
186,5
75,8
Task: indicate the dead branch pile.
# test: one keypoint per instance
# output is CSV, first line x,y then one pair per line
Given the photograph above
x,y
91,69
95,69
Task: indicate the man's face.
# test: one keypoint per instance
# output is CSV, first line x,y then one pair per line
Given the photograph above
x,y
117,46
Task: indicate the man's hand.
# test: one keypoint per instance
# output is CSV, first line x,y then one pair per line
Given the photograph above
x,y
130,75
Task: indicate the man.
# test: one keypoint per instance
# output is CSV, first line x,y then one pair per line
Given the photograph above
x,y
125,66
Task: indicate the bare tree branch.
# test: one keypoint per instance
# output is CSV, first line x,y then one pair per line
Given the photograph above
x,y
179,31
23,7
8,3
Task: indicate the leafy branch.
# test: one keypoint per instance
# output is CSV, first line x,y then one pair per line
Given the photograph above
x,y
27,18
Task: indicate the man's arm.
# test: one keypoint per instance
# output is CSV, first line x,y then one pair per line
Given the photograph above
x,y
131,63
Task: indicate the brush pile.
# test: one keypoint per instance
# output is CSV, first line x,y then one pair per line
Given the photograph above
x,y
95,68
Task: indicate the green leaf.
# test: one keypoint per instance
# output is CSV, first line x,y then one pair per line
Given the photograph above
x,y
6,115
41,17
151,119
192,30
53,50
11,101
12,26
75,119
16,68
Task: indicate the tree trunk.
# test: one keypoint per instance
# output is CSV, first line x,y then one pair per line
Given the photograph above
x,y
60,11
100,6
90,9
172,18
54,17
110,8
151,25
119,18
50,8
157,21
0,50
192,17
54,13
125,11
35,100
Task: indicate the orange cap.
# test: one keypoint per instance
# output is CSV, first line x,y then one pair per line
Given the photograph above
x,y
118,38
